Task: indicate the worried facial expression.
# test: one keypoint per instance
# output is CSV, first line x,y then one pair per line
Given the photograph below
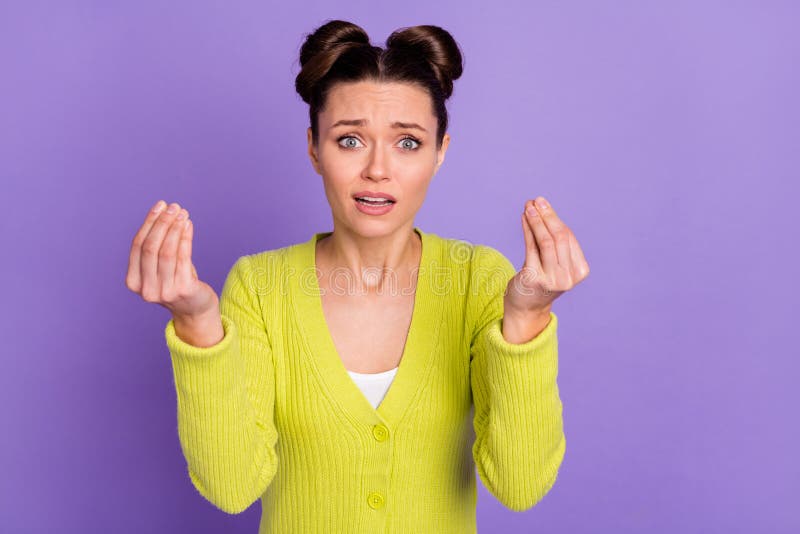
x,y
379,138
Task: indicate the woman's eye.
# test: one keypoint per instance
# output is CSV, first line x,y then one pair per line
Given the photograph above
x,y
347,145
350,141
412,140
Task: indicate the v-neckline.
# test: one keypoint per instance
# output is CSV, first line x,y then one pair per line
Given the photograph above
x,y
414,362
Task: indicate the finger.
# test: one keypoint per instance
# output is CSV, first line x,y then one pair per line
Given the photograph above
x,y
184,271
558,230
532,259
545,241
150,249
168,254
578,260
134,277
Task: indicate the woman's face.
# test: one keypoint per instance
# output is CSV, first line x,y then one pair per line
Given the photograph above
x,y
361,148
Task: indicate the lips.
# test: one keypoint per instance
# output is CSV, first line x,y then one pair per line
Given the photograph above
x,y
374,196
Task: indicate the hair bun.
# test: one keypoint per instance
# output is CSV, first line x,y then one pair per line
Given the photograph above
x,y
323,48
436,46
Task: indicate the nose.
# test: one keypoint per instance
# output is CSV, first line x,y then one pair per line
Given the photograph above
x,y
376,168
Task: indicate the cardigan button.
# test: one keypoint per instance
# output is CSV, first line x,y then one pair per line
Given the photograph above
x,y
375,500
380,432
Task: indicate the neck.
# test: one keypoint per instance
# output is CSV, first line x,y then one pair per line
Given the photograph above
x,y
369,264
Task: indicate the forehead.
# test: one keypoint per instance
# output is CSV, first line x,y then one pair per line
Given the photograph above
x,y
377,102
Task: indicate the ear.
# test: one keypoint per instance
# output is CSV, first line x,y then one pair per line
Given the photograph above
x,y
312,152
441,152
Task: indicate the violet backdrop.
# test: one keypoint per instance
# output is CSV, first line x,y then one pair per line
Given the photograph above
x,y
664,133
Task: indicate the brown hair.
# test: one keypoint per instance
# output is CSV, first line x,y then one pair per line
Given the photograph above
x,y
340,51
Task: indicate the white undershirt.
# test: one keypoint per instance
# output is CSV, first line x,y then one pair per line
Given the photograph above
x,y
373,385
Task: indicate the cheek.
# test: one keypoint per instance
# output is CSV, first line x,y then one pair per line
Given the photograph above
x,y
340,168
335,187
338,188
415,188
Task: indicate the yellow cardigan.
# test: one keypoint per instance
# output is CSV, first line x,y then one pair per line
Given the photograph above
x,y
271,413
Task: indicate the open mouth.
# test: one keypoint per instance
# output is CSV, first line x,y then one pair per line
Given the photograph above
x,y
372,201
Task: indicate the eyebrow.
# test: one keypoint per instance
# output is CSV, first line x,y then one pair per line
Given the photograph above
x,y
362,122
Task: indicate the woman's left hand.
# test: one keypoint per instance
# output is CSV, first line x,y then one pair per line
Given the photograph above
x,y
554,263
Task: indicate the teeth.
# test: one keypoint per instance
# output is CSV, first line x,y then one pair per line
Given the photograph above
x,y
375,199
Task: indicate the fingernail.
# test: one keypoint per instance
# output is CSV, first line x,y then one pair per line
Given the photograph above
x,y
159,206
542,203
531,211
172,208
182,215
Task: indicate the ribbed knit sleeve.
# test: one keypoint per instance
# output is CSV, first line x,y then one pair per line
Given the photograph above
x,y
226,396
520,442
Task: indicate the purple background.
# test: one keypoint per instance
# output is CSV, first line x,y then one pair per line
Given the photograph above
x,y
665,135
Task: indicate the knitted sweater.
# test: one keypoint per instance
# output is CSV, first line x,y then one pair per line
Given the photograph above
x,y
271,413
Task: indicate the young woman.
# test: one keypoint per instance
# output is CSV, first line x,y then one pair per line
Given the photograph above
x,y
354,382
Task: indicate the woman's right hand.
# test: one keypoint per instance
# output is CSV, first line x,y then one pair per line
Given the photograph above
x,y
160,267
